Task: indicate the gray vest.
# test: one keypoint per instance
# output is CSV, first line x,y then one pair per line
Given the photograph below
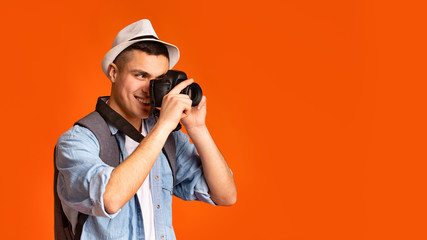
x,y
109,152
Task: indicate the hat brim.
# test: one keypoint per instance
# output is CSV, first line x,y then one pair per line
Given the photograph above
x,y
115,51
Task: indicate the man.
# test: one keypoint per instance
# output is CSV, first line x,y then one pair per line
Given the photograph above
x,y
133,200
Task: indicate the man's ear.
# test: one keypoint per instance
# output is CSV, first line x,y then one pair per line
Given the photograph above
x,y
113,70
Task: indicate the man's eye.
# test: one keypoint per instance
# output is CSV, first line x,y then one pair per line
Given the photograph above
x,y
140,75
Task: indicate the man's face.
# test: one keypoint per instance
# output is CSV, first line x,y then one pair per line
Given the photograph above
x,y
130,95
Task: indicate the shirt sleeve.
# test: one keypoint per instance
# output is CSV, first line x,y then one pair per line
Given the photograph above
x,y
82,174
190,181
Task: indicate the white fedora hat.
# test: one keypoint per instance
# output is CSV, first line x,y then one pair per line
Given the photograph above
x,y
137,32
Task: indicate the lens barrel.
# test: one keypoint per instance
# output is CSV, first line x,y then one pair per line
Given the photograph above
x,y
195,92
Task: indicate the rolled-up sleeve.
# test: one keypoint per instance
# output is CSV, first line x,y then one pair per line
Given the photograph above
x,y
190,181
82,174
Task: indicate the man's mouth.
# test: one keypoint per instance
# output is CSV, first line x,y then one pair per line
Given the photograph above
x,y
143,100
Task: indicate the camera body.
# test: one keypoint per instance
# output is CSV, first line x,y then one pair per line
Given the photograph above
x,y
159,87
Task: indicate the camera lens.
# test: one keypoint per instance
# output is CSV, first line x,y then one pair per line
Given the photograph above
x,y
195,93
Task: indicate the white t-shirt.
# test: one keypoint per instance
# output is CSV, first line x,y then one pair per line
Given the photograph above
x,y
144,192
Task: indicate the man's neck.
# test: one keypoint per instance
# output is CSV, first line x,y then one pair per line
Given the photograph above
x,y
135,122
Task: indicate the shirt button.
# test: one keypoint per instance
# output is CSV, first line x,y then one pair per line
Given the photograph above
x,y
157,177
158,206
162,237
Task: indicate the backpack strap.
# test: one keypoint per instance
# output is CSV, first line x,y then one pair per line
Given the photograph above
x,y
170,152
109,150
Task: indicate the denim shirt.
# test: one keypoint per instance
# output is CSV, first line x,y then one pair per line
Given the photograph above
x,y
83,176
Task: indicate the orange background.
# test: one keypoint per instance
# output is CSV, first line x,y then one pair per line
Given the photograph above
x,y
319,107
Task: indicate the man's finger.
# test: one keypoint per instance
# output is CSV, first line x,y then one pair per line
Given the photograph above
x,y
178,88
202,103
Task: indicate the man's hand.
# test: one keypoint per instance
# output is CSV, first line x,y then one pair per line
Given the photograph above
x,y
197,116
175,106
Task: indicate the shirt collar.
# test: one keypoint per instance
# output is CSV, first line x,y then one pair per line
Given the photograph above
x,y
113,129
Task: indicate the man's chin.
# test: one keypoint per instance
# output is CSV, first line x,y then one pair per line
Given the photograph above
x,y
144,115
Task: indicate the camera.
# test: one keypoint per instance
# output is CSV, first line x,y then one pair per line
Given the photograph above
x,y
159,87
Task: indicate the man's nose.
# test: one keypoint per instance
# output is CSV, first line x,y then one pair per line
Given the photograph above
x,y
146,86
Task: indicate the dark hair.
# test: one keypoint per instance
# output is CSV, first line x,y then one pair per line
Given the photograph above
x,y
149,47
